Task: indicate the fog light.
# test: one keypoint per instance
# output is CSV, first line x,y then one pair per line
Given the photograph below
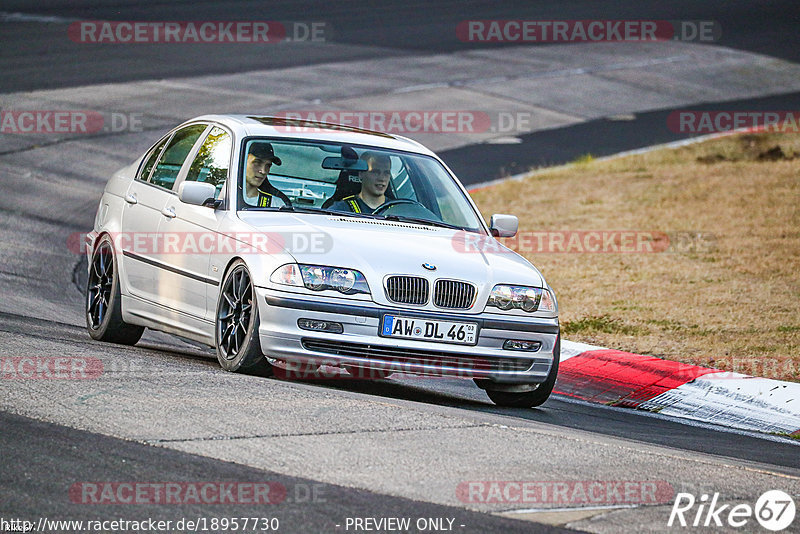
x,y
527,346
320,326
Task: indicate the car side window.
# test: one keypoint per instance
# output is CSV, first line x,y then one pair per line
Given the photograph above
x,y
212,161
171,161
144,174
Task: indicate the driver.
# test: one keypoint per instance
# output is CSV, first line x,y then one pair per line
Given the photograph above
x,y
257,190
374,182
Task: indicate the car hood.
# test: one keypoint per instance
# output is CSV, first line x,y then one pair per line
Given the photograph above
x,y
378,248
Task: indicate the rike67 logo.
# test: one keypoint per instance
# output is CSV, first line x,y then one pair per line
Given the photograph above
x,y
774,510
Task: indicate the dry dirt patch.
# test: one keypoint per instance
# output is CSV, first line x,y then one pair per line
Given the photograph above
x,y
725,293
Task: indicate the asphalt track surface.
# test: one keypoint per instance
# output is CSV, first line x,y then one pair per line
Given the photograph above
x,y
41,460
599,137
40,59
300,505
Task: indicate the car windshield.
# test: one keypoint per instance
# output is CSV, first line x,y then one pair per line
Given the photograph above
x,y
351,179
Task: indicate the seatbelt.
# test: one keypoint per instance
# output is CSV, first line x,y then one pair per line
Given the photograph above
x,y
354,205
264,199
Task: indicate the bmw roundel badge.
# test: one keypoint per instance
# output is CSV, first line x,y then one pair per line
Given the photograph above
x,y
429,266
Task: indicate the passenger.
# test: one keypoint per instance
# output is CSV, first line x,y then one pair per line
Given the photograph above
x,y
258,191
374,182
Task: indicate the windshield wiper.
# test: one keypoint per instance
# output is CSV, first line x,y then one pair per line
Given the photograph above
x,y
398,218
429,222
303,209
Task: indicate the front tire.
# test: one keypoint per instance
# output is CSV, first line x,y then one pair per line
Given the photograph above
x,y
237,321
104,301
530,399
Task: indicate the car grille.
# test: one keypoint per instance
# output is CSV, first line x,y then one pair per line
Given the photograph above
x,y
407,289
453,294
398,357
450,294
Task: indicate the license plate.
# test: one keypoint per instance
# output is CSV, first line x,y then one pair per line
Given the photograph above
x,y
429,330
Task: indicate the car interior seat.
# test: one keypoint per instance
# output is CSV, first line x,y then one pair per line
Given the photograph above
x,y
346,185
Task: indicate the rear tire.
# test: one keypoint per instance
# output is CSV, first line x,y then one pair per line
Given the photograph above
x,y
104,301
530,399
236,326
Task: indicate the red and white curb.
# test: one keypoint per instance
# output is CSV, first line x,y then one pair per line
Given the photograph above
x,y
618,378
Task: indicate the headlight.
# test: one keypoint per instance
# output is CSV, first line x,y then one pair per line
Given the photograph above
x,y
320,278
548,302
528,299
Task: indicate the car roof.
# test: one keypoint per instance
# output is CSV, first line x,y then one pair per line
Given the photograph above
x,y
282,127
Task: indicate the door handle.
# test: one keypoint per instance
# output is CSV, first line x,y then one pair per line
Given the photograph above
x,y
131,199
169,213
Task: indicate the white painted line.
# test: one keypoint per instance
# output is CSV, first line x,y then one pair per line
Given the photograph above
x,y
504,141
730,400
421,87
6,16
572,348
575,509
734,400
697,423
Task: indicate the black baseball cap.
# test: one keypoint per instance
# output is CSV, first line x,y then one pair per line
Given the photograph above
x,y
264,151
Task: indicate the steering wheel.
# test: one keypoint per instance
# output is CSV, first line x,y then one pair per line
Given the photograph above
x,y
395,202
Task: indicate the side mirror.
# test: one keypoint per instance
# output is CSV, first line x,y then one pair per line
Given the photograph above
x,y
504,225
196,193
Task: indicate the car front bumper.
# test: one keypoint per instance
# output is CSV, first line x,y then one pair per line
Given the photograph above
x,y
360,345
